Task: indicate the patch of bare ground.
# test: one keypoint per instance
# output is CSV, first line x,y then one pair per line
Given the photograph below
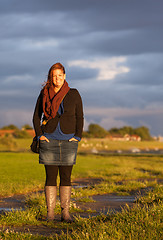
x,y
103,204
35,230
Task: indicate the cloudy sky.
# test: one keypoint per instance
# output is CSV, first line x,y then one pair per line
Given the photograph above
x,y
112,51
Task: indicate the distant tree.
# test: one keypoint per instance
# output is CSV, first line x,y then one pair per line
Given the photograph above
x,y
143,132
86,134
21,134
26,127
9,127
9,142
126,130
97,131
122,131
114,131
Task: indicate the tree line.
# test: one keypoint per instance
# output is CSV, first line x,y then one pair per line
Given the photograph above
x,y
94,131
18,133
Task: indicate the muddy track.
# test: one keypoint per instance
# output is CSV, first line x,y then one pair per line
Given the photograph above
x,y
103,204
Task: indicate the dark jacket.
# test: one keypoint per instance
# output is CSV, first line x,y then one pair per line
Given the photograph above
x,y
71,121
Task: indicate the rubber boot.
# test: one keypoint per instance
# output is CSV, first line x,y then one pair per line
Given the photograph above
x,y
65,195
51,195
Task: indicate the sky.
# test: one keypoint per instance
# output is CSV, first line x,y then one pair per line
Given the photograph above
x,y
112,51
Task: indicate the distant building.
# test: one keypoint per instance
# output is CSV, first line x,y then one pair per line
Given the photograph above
x,y
4,132
135,138
126,137
31,132
160,138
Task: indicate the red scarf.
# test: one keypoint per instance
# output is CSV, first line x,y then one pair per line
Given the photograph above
x,y
52,101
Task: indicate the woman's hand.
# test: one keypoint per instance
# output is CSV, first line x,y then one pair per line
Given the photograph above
x,y
44,138
73,139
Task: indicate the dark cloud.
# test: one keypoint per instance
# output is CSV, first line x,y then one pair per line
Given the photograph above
x,y
127,42
36,34
105,6
151,121
146,71
81,74
45,6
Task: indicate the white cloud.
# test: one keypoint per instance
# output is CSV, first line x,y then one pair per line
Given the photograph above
x,y
18,78
108,68
39,44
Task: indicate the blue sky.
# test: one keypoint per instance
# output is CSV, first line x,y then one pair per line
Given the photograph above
x,y
112,51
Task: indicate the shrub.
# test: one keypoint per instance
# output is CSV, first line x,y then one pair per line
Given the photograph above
x,y
21,134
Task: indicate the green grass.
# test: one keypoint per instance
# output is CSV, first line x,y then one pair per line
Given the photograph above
x,y
125,166
120,174
106,144
139,222
13,144
21,172
142,221
136,223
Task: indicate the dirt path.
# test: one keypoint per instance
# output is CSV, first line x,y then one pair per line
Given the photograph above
x,y
102,204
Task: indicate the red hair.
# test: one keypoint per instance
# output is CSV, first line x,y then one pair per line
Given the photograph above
x,y
49,81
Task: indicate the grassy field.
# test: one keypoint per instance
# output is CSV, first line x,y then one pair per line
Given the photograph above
x,y
12,144
120,174
21,172
106,144
141,222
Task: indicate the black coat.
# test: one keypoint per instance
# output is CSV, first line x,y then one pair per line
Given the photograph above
x,y
71,121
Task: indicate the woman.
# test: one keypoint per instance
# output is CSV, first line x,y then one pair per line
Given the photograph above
x,y
58,123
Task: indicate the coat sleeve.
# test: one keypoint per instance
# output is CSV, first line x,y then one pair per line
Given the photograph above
x,y
79,116
37,116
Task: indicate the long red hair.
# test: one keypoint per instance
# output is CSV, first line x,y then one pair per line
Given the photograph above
x,y
49,81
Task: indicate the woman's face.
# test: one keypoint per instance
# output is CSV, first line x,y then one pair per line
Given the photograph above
x,y
58,78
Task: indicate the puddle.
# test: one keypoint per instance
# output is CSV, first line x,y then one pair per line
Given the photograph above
x,y
102,202
10,209
106,202
86,182
9,204
110,202
114,198
14,203
81,186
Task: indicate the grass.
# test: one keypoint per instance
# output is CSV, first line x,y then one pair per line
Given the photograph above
x,y
136,223
142,221
21,172
139,222
86,145
106,144
120,174
125,167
